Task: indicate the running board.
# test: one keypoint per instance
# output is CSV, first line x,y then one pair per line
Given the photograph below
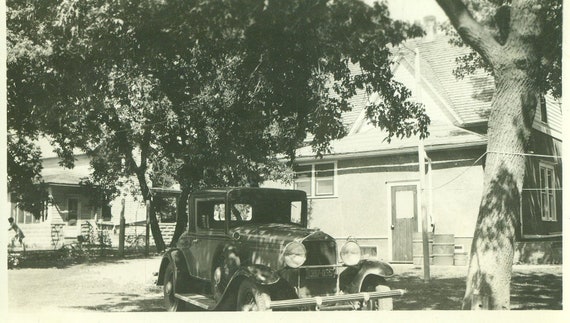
x,y
197,300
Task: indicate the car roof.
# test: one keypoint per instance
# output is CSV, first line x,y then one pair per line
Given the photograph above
x,y
252,191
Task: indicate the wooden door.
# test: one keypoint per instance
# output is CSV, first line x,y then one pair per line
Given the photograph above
x,y
404,221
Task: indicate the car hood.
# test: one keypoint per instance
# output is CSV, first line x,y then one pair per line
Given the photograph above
x,y
277,233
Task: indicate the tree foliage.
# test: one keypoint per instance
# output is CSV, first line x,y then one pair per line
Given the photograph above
x,y
217,89
495,15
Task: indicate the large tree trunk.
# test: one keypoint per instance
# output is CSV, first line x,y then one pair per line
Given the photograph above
x,y
492,251
181,215
154,227
147,196
515,61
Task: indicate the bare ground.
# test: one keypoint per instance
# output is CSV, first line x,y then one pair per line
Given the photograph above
x,y
116,285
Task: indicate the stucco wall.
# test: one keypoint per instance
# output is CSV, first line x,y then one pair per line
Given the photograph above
x,y
361,207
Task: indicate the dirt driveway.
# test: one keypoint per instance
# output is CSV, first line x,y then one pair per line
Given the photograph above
x,y
128,286
117,286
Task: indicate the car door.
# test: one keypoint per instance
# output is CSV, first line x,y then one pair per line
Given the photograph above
x,y
210,236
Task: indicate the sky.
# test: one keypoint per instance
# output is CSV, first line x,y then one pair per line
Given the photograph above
x,y
412,10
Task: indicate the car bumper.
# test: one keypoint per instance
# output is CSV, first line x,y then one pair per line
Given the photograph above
x,y
332,302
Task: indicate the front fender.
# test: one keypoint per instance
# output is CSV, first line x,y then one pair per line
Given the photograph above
x,y
351,278
260,274
174,256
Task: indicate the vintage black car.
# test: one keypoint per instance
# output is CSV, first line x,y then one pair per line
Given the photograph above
x,y
250,249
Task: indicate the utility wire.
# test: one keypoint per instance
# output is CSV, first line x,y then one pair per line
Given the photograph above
x,y
416,163
461,174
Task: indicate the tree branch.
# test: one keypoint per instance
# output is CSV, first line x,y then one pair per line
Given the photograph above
x,y
526,24
472,32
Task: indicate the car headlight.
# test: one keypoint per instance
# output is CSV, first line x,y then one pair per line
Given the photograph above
x,y
350,253
294,254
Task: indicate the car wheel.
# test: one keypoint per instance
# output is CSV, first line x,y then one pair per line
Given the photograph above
x,y
171,285
383,304
252,297
380,304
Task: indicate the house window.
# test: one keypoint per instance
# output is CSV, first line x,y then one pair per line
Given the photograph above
x,y
541,110
547,193
316,179
369,252
106,212
72,210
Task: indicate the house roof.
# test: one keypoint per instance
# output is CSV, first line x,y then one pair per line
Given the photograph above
x,y
468,98
358,102
65,176
372,142
465,102
53,173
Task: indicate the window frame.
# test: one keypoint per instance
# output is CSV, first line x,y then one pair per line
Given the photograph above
x,y
78,211
211,225
313,179
542,109
546,192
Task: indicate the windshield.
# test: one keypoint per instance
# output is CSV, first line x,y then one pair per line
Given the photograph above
x,y
275,211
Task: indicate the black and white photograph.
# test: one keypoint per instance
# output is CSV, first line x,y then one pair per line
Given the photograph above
x,y
215,156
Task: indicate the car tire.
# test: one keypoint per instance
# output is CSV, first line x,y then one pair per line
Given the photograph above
x,y
383,304
172,284
252,297
372,284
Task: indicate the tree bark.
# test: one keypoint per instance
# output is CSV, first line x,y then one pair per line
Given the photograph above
x,y
515,65
181,215
154,227
492,251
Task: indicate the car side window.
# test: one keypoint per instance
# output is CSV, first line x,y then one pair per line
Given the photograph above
x,y
296,207
241,212
210,214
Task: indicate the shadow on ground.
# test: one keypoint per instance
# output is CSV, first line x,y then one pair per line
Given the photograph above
x,y
438,294
536,292
529,291
64,258
122,302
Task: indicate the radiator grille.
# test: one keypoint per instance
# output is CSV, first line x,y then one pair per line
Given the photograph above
x,y
320,253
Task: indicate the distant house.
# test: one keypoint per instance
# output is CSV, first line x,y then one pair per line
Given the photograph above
x,y
71,207
368,188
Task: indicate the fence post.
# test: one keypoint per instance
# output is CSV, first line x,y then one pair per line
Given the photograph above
x,y
146,246
122,230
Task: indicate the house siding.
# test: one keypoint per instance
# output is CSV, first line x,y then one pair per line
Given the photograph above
x,y
532,224
361,208
59,209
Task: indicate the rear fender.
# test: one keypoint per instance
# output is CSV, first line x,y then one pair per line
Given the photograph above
x,y
174,256
352,277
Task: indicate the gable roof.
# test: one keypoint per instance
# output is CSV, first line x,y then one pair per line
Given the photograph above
x,y
468,98
53,173
465,102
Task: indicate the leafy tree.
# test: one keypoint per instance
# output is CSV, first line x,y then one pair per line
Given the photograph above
x,y
214,89
519,42
259,76
24,174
